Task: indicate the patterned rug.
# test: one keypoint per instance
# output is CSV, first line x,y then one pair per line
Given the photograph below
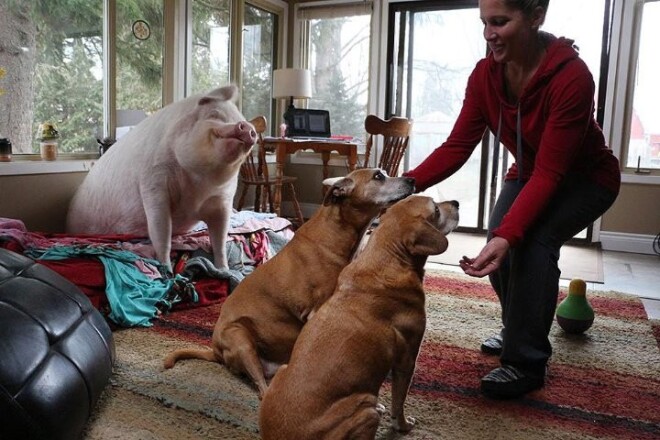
x,y
604,384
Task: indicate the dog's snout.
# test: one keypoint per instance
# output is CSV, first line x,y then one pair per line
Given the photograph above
x,y
410,180
454,203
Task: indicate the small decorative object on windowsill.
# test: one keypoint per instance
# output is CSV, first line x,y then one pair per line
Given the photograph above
x,y
5,149
104,144
48,138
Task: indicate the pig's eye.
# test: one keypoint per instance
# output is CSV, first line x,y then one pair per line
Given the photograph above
x,y
215,114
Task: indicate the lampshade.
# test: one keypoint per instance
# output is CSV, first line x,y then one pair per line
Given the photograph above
x,y
292,83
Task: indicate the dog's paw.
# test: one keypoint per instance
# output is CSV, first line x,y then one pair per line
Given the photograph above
x,y
403,424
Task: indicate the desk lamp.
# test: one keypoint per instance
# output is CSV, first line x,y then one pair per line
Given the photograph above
x,y
291,84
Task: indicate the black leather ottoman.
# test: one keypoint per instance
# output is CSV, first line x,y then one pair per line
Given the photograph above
x,y
56,352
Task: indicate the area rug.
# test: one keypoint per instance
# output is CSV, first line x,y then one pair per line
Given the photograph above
x,y
604,384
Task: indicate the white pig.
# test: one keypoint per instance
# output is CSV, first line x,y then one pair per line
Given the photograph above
x,y
173,169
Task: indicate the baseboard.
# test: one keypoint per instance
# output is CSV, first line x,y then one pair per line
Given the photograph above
x,y
623,242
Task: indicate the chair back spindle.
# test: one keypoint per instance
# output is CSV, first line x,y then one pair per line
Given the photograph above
x,y
395,133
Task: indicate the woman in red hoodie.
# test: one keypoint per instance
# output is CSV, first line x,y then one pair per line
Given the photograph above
x,y
536,96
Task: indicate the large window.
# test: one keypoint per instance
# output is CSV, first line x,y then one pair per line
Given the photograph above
x,y
210,44
427,85
53,67
335,44
643,136
140,36
429,88
52,58
259,59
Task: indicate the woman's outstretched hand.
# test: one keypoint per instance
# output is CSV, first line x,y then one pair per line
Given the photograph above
x,y
489,259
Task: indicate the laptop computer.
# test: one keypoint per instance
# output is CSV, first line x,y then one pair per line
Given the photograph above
x,y
308,123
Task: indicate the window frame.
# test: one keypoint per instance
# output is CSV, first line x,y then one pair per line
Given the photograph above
x,y
328,10
299,59
176,20
627,20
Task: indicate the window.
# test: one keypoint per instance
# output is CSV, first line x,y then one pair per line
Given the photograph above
x,y
335,44
643,135
54,68
139,56
632,124
210,44
428,82
53,72
259,56
428,86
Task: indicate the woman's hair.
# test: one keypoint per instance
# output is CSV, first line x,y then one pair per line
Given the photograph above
x,y
527,6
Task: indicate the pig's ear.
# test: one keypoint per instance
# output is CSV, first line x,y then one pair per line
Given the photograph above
x,y
227,93
207,100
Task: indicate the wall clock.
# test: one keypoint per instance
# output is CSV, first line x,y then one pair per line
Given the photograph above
x,y
141,29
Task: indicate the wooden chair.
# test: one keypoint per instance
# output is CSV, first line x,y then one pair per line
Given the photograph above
x,y
254,173
395,134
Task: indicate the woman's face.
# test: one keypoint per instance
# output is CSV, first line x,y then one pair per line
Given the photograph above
x,y
507,31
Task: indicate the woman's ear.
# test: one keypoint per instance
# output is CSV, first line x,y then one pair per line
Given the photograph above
x,y
538,17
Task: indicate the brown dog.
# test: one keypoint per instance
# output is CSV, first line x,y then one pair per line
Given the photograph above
x,y
371,325
261,319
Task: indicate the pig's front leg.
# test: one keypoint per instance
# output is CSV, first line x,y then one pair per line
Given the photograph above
x,y
159,224
216,213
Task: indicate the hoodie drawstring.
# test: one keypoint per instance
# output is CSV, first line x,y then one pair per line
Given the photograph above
x,y
496,150
519,150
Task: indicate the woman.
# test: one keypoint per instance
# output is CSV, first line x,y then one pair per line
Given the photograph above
x,y
537,96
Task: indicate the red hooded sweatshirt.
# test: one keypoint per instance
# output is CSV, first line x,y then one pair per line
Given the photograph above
x,y
559,136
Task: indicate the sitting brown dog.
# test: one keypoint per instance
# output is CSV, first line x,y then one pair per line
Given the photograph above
x,y
261,319
371,325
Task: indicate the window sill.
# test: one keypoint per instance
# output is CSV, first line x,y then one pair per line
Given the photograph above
x,y
26,167
640,179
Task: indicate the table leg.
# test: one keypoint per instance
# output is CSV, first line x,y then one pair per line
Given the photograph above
x,y
280,158
352,159
325,156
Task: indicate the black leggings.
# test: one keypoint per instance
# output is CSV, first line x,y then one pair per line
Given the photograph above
x,y
527,283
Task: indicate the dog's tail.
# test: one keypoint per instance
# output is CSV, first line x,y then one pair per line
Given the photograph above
x,y
190,353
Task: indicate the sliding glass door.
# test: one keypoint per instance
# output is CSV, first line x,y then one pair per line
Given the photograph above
x,y
433,47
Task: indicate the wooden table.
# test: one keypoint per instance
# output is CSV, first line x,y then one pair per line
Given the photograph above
x,y
283,147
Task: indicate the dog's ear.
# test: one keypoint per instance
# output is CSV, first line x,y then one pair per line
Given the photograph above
x,y
341,187
425,240
332,180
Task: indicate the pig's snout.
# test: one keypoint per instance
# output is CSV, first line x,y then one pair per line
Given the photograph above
x,y
245,132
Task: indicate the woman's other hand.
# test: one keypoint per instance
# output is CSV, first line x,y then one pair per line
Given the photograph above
x,y
489,259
